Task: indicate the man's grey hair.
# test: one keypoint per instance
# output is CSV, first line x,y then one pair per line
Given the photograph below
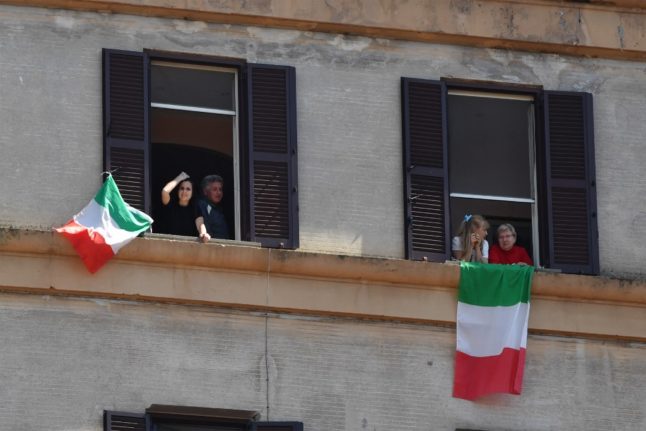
x,y
210,179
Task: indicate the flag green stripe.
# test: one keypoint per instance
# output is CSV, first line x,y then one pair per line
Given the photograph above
x,y
494,285
126,217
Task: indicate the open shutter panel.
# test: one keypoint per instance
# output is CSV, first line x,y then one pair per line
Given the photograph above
x,y
277,426
125,124
272,156
121,421
425,169
570,178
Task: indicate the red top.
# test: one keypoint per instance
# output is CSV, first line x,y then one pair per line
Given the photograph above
x,y
517,254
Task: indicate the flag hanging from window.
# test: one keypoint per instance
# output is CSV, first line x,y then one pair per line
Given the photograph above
x,y
493,311
105,225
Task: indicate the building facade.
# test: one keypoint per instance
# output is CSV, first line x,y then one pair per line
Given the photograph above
x,y
352,137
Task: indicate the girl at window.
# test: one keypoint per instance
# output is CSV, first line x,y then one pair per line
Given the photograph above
x,y
470,242
506,251
179,211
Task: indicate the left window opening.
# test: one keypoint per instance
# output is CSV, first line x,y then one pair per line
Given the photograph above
x,y
194,128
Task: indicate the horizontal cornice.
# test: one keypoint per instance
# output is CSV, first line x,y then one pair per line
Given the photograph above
x,y
245,257
243,276
602,29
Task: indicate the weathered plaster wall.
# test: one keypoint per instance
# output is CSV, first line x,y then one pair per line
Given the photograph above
x,y
349,123
65,360
590,28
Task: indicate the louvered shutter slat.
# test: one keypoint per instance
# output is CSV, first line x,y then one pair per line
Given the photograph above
x,y
571,198
425,173
272,156
120,421
126,124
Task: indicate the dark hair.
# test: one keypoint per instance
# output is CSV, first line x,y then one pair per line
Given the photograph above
x,y
176,190
210,179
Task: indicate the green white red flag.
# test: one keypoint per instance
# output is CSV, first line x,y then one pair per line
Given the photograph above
x,y
105,225
493,311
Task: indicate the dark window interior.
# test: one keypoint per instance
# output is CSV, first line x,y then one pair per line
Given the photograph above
x,y
497,213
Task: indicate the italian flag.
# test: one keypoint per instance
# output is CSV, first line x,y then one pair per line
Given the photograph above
x,y
493,310
105,225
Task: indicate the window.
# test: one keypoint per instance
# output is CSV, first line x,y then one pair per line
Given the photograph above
x,y
181,418
513,154
167,112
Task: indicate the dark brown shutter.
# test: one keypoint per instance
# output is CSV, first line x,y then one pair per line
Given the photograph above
x,y
125,124
570,182
277,426
425,169
273,199
121,421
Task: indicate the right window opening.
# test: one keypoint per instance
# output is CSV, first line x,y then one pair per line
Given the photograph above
x,y
492,169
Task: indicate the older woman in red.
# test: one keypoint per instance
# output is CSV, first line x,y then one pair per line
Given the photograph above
x,y
506,251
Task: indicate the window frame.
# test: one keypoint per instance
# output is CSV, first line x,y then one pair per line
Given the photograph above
x,y
276,201
235,113
511,93
542,138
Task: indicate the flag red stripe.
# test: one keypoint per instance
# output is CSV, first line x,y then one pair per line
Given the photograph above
x,y
88,243
478,376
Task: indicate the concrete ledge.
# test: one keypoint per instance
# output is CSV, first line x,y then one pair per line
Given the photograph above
x,y
239,276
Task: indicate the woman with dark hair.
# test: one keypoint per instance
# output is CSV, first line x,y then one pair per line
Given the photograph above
x,y
178,208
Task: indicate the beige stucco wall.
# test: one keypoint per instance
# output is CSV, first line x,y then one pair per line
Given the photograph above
x,y
336,341
349,123
236,276
64,360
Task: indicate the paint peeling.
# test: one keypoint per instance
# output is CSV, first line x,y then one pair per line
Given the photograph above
x,y
189,27
282,36
351,43
620,32
66,22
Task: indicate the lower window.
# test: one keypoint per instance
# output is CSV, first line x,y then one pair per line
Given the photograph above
x,y
182,418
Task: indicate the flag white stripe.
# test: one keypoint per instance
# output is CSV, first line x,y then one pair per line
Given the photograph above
x,y
96,217
486,331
